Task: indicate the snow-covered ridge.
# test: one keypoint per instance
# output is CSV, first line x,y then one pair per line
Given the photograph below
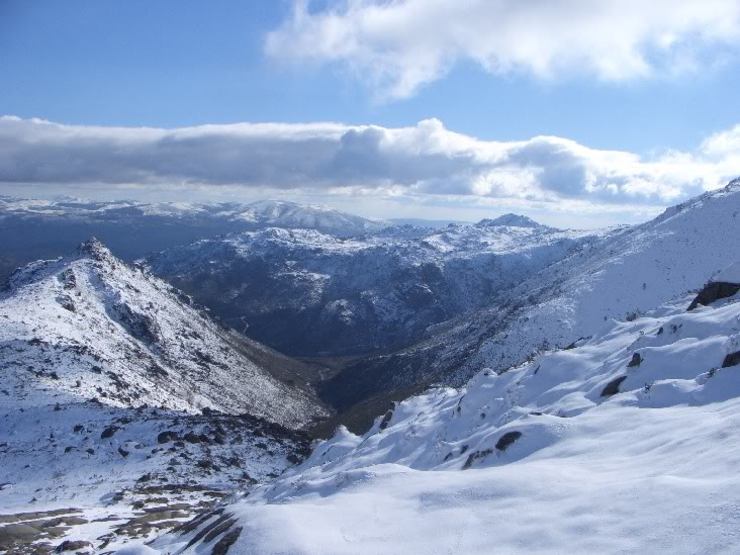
x,y
124,410
261,213
90,326
624,442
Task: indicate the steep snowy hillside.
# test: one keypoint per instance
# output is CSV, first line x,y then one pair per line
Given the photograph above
x,y
625,443
619,276
309,293
124,410
92,327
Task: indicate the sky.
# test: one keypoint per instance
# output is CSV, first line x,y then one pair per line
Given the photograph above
x,y
576,113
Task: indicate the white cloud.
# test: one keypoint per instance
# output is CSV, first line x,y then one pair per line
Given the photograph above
x,y
400,45
425,163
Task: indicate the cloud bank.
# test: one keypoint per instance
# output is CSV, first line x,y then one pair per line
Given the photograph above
x,y
400,45
425,162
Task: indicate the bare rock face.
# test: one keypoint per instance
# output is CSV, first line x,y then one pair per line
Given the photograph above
x,y
139,325
714,291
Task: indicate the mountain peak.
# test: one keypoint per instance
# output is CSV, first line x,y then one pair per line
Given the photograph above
x,y
510,219
95,249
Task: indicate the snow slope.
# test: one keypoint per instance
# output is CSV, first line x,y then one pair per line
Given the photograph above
x,y
627,442
90,326
124,410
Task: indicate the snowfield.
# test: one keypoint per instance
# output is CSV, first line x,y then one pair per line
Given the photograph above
x,y
628,442
124,410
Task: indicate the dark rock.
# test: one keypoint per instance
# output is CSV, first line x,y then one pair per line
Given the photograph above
x,y
714,291
612,388
223,545
476,455
507,439
109,431
139,325
167,436
732,359
192,437
386,419
123,452
635,361
72,545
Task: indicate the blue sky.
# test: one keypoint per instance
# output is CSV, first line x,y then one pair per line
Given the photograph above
x,y
180,63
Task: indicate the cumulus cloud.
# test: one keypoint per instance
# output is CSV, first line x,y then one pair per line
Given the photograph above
x,y
423,161
400,45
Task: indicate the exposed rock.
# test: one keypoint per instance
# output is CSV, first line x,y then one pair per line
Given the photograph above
x,y
714,291
612,388
167,436
109,431
507,439
732,359
635,361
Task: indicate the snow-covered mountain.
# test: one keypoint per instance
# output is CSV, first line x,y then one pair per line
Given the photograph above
x,y
90,326
619,275
310,293
264,213
627,442
124,410
36,229
292,215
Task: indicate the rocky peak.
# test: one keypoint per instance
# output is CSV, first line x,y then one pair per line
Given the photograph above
x,y
93,248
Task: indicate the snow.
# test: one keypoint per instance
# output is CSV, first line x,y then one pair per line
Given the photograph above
x,y
261,213
605,418
92,327
731,274
97,361
653,468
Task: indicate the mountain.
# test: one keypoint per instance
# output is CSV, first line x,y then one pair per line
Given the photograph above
x,y
309,293
618,275
125,409
623,443
132,339
292,215
36,229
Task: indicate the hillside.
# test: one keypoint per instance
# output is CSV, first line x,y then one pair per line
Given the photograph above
x,y
125,410
616,276
626,440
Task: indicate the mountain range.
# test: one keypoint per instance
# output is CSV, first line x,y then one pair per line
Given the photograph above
x,y
499,386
